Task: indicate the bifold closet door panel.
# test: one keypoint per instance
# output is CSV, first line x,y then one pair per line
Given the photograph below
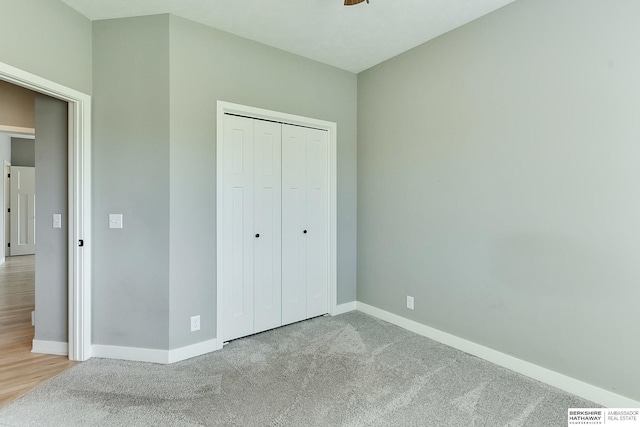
x,y
305,223
294,242
238,220
268,224
317,218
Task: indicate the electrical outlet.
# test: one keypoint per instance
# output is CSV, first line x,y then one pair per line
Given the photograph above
x,y
195,323
409,302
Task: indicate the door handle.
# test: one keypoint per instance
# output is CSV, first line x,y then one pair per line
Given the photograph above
x,y
305,231
257,235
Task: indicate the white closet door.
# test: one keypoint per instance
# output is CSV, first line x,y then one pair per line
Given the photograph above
x,y
317,216
275,225
268,247
305,223
294,241
238,234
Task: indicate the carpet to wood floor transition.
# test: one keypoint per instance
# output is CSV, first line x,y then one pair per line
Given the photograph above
x,y
348,370
20,369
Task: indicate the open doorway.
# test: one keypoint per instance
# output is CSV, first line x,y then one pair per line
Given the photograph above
x,y
37,175
76,296
35,285
25,229
17,132
17,222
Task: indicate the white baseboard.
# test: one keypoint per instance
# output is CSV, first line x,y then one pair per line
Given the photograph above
x,y
344,308
134,354
50,347
571,385
153,355
184,353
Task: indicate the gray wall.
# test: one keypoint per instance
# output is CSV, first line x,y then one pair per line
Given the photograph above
x,y
156,83
47,38
23,152
209,65
131,177
51,243
497,170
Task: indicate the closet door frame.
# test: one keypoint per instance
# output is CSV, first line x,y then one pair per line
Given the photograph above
x,y
285,118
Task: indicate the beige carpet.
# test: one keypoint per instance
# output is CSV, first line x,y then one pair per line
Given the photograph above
x,y
349,370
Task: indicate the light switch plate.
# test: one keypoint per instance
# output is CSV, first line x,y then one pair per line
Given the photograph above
x,y
57,220
115,220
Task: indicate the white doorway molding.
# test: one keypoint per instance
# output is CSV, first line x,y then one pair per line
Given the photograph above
x,y
79,199
5,202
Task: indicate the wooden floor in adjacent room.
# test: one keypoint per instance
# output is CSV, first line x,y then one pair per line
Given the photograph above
x,y
20,370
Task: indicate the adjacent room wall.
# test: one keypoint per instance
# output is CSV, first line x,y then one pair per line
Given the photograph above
x,y
51,291
131,177
208,65
47,38
498,169
23,152
16,106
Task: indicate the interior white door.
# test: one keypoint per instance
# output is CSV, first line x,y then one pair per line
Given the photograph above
x,y
305,219
267,219
238,237
23,210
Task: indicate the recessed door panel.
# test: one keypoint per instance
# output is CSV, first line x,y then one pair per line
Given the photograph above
x,y
317,222
240,279
294,258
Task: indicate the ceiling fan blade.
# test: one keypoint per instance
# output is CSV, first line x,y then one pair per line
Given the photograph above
x,y
352,2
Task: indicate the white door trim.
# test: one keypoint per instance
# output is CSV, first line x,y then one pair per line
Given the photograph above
x,y
79,168
259,113
5,206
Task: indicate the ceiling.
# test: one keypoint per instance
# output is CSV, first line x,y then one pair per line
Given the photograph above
x,y
352,38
